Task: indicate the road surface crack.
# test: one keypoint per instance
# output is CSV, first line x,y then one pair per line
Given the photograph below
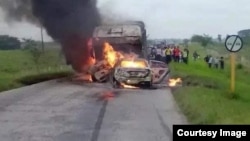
x,y
99,122
166,129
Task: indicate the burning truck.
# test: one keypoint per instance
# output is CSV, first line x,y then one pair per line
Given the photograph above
x,y
120,38
127,37
127,69
115,42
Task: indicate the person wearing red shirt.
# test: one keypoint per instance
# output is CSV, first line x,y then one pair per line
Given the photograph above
x,y
176,54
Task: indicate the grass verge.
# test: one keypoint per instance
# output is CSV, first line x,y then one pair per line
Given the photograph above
x,y
205,97
33,79
17,68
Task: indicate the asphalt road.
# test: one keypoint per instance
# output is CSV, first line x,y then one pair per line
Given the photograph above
x,y
63,111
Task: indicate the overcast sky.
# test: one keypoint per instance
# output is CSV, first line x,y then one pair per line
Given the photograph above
x,y
167,18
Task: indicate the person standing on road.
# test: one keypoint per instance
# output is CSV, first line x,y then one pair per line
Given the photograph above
x,y
158,54
172,52
168,55
163,54
153,51
176,54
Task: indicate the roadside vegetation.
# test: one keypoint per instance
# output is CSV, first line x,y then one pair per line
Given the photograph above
x,y
205,97
30,64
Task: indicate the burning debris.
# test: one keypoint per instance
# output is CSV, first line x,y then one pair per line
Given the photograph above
x,y
174,82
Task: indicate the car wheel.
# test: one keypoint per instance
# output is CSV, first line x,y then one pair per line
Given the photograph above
x,y
116,84
148,85
93,78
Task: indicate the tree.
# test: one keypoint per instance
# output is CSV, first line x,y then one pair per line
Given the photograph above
x,y
35,51
204,40
9,43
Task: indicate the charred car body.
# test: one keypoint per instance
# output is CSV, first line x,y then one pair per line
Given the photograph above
x,y
139,73
135,72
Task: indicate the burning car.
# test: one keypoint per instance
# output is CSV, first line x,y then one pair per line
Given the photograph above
x,y
132,72
127,70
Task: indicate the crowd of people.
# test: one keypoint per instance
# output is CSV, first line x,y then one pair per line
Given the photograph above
x,y
170,53
174,53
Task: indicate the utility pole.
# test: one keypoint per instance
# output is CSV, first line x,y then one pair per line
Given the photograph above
x,y
42,38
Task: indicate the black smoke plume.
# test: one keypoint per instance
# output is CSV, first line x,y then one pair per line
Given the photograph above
x,y
69,22
18,10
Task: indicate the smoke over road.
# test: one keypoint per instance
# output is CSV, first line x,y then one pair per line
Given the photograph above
x,y
68,22
18,10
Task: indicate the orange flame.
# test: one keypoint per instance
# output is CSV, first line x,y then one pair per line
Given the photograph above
x,y
133,64
128,86
110,55
174,82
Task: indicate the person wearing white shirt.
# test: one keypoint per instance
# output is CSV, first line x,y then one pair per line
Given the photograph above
x,y
211,62
216,62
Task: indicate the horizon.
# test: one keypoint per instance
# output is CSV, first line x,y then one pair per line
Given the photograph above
x,y
164,18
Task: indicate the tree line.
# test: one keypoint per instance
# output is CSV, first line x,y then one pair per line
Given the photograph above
x,y
205,39
9,43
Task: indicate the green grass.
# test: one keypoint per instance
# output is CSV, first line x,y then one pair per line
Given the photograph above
x,y
242,56
33,79
205,97
17,65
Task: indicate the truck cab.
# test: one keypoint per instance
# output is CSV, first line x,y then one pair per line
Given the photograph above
x,y
124,37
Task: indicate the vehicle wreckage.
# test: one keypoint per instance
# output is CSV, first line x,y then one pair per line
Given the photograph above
x,y
130,74
112,44
124,37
